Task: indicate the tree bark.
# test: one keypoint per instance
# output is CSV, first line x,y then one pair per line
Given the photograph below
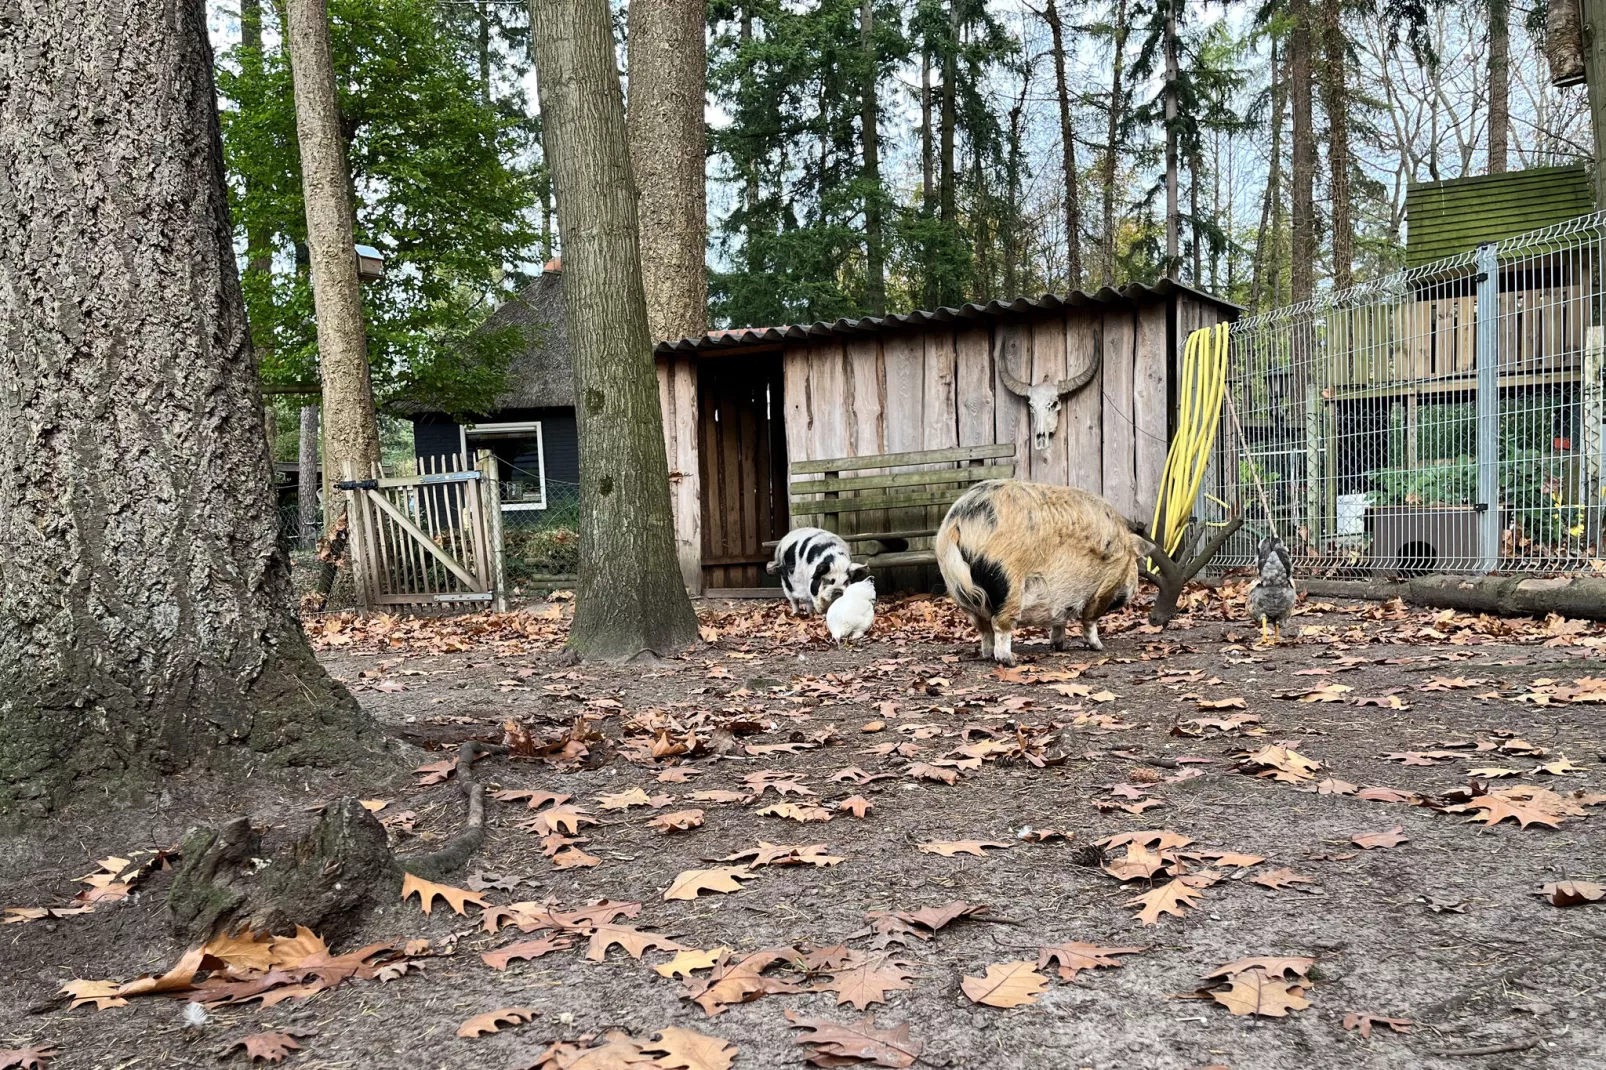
x,y
1594,38
351,430
1302,172
928,181
1335,100
950,68
1173,208
1499,83
630,597
1073,196
1570,596
875,281
1268,238
1117,114
307,466
668,79
146,608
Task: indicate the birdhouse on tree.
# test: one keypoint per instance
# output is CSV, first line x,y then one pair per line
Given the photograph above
x,y
370,263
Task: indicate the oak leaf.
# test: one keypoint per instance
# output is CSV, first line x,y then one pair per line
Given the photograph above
x,y
632,940
949,848
1359,1020
859,1041
719,795
1232,859
1075,957
1293,966
1280,763
1366,841
1254,992
180,978
537,799
795,812
868,980
243,951
688,960
1280,878
927,771
693,882
1158,839
493,1021
102,994
1139,863
677,821
857,805
785,854
1389,795
741,981
428,891
1499,806
1007,984
561,818
1572,893
574,858
1173,897
32,1057
1334,786
269,1047
687,1049
623,800
524,949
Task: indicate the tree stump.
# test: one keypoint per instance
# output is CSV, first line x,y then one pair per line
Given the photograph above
x,y
327,878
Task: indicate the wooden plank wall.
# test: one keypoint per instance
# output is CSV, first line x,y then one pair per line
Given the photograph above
x,y
677,397
944,387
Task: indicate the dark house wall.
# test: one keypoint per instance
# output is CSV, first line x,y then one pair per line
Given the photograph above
x,y
435,435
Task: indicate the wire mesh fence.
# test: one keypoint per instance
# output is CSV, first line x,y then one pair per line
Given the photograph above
x,y
1444,419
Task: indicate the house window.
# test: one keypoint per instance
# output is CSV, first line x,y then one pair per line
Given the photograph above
x,y
520,461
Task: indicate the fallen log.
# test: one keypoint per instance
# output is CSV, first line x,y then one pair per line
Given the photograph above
x,y
1508,596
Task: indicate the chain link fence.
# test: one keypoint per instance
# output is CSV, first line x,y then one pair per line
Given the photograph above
x,y
1444,419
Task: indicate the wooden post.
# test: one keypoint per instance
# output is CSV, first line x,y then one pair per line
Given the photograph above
x,y
491,491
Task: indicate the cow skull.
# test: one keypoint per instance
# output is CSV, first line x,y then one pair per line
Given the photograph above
x,y
1045,398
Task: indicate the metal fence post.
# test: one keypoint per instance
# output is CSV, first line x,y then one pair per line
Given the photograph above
x,y
1488,407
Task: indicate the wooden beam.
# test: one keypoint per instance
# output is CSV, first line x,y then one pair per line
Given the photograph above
x,y
893,460
424,540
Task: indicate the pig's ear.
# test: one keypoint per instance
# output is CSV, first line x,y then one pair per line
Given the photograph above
x,y
858,572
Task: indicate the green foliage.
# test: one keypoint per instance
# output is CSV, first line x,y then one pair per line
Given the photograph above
x,y
545,551
431,158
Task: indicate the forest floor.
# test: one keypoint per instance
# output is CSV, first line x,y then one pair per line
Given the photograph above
x,y
1288,804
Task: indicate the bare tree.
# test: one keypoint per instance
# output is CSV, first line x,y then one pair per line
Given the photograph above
x,y
1112,148
148,624
668,79
1302,169
631,599
351,429
1072,196
1335,101
875,284
1499,83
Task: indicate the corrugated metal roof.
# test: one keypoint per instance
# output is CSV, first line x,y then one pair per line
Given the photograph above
x,y
1459,214
1132,292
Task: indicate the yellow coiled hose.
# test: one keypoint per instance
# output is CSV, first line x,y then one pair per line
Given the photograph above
x,y
1204,384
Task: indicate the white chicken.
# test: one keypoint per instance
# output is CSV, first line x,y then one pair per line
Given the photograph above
x,y
851,615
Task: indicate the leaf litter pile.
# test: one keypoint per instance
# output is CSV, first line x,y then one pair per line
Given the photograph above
x,y
1381,843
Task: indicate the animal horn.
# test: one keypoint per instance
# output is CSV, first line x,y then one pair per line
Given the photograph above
x,y
1067,387
1015,385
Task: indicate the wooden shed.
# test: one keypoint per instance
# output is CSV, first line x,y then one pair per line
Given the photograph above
x,y
741,405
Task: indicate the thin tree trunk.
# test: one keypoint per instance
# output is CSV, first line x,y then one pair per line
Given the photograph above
x,y
750,166
1499,83
1173,258
484,50
631,598
1267,237
1073,196
1117,115
146,608
1302,173
668,82
1195,168
928,182
309,485
875,283
950,68
1335,100
351,430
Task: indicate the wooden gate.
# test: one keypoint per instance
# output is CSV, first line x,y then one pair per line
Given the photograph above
x,y
742,451
431,538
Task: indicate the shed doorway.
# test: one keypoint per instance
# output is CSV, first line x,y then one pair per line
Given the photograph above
x,y
742,456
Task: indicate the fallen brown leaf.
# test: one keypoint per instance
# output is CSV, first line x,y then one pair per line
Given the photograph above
x,y
949,848
1363,1022
1173,897
1572,893
1073,958
1367,841
32,1057
269,1047
677,820
493,1021
1007,984
428,891
693,882
687,1049
861,1040
524,949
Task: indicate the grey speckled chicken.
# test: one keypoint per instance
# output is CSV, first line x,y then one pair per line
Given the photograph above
x,y
1271,596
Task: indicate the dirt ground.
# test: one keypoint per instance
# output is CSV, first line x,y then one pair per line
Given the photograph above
x,y
1444,928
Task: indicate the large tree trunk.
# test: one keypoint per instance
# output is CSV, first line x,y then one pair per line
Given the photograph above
x,y
1302,171
875,281
668,79
928,181
1499,83
1073,196
1335,99
1268,238
351,430
146,608
631,598
1112,147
